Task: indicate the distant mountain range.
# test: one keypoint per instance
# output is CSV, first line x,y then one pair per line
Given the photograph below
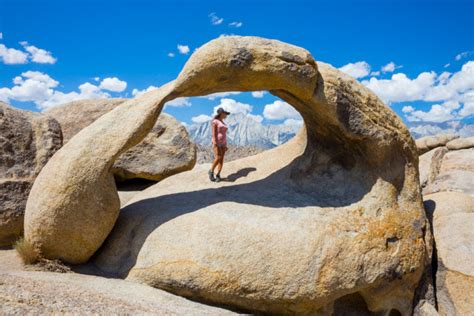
x,y
420,129
245,131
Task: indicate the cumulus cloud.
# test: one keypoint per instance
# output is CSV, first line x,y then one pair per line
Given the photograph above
x,y
258,94
202,118
218,95
11,56
38,87
39,55
215,20
1,35
359,69
437,113
183,49
113,84
293,124
390,67
280,110
235,24
256,117
137,93
233,106
401,88
179,102
171,55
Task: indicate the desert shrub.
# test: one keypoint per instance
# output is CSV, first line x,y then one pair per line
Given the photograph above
x,y
28,253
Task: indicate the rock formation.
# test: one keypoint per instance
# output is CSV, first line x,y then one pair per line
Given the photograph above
x,y
448,168
427,143
165,151
452,215
332,219
27,141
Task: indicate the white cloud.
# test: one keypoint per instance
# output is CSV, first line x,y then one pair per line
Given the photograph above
x,y
179,102
375,73
400,88
437,113
113,84
236,24
137,93
233,106
447,65
201,119
359,69
280,110
38,87
293,123
171,55
1,35
462,55
408,109
183,49
390,67
215,20
39,55
258,94
12,56
218,95
97,79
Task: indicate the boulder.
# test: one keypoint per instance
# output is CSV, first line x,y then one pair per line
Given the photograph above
x,y
452,216
27,141
427,143
319,224
461,143
429,165
456,173
314,225
165,151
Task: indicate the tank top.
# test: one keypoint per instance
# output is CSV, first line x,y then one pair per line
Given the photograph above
x,y
221,138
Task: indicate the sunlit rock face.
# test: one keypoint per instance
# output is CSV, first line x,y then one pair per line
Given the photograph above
x,y
331,221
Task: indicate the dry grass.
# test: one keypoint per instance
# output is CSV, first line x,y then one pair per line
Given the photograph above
x,y
31,257
28,253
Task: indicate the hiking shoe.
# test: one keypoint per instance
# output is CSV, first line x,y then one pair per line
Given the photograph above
x,y
211,176
218,178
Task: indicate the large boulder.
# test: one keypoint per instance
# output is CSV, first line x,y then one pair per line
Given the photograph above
x,y
27,141
454,173
316,224
453,217
427,143
165,151
333,220
461,143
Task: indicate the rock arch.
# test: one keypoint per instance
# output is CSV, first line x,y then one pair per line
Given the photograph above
x,y
355,149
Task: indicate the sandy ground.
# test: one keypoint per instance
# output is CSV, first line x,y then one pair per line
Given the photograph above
x,y
34,292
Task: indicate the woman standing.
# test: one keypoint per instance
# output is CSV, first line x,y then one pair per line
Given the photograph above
x,y
219,143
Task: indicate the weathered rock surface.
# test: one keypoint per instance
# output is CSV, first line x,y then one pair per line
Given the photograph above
x,y
427,143
46,293
165,151
461,143
429,165
455,173
307,227
27,141
453,217
313,225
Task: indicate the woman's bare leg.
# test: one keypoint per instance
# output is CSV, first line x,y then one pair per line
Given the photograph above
x,y
216,158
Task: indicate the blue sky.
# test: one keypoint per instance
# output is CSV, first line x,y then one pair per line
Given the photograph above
x,y
77,42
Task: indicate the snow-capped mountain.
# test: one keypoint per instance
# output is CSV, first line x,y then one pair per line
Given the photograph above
x,y
246,131
420,129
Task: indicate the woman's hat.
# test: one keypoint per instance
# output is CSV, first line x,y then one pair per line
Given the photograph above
x,y
221,110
